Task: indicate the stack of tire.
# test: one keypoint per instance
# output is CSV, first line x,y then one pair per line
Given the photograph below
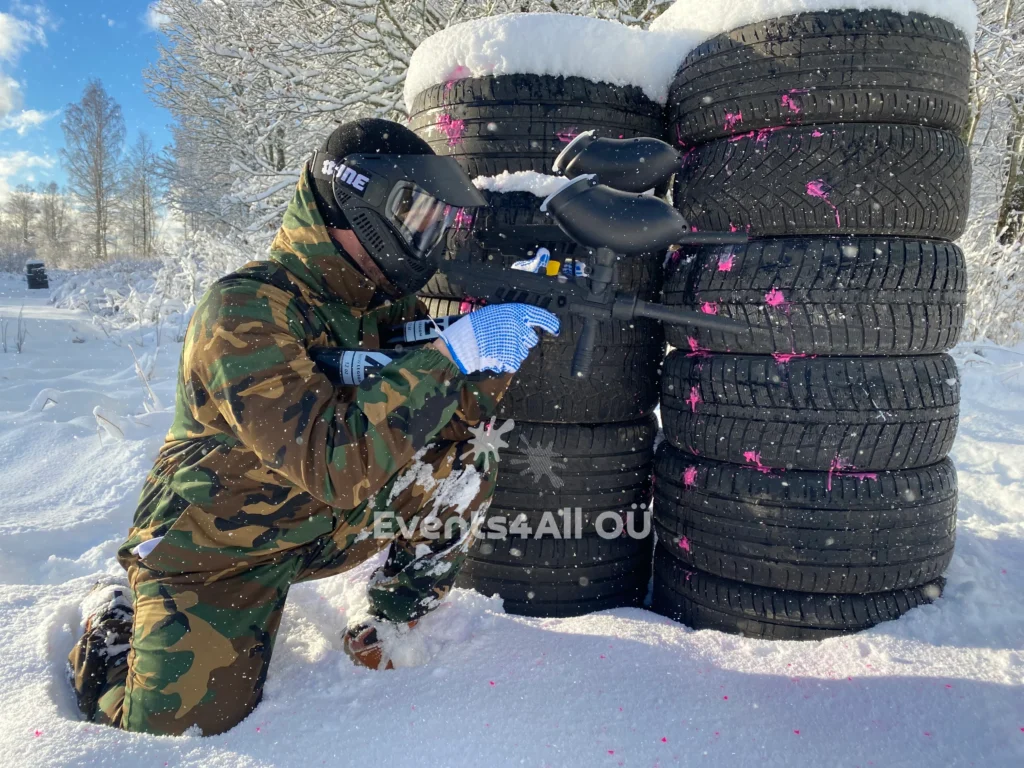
x,y
803,490
585,444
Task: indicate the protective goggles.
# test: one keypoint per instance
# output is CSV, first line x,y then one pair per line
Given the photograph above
x,y
420,196
418,217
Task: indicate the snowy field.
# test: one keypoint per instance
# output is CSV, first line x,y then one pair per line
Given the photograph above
x,y
944,686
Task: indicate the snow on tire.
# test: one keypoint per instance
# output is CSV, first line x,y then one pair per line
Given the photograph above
x,y
838,179
831,532
825,296
844,66
851,414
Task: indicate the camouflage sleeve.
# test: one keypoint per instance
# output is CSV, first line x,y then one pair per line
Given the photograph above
x,y
478,402
245,359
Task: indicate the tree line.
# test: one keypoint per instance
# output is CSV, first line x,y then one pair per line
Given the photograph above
x,y
110,206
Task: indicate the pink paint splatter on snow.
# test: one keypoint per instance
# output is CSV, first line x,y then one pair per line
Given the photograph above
x,y
820,190
689,477
567,135
693,400
796,731
459,73
709,308
684,544
725,263
451,128
40,733
732,120
754,457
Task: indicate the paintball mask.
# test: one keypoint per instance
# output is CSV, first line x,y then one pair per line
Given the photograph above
x,y
400,207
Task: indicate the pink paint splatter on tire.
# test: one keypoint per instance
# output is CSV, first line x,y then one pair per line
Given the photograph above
x,y
725,263
775,299
819,189
709,308
567,135
785,357
732,120
689,477
841,468
451,128
696,350
793,105
754,457
693,400
684,544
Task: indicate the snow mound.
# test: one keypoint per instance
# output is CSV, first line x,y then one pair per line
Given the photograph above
x,y
550,44
539,184
705,20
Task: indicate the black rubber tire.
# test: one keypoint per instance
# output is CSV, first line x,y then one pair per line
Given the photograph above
x,y
823,532
521,122
842,296
864,414
596,469
623,385
560,577
856,179
843,66
703,601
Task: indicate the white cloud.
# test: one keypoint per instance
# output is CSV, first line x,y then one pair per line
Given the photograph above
x,y
25,120
10,95
17,34
13,163
154,19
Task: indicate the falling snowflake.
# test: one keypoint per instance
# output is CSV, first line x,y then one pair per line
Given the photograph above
x,y
541,462
487,441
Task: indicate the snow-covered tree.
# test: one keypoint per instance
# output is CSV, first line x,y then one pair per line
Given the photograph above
x,y
93,141
996,133
255,85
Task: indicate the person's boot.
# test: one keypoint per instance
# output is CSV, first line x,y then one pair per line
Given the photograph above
x,y
99,661
367,648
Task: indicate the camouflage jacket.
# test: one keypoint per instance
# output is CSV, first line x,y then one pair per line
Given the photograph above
x,y
265,455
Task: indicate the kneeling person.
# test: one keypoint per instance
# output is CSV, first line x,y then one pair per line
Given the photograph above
x,y
271,476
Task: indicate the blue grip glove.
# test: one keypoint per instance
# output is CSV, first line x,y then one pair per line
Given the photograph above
x,y
497,337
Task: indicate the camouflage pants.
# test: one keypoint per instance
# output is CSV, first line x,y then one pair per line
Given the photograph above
x,y
200,643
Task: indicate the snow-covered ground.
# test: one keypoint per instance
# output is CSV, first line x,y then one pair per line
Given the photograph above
x,y
944,686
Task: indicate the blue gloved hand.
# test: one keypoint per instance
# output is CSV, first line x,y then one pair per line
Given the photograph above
x,y
497,337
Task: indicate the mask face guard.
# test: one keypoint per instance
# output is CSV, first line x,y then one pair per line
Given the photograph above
x,y
419,197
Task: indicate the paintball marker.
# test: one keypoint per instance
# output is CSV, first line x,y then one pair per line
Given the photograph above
x,y
609,222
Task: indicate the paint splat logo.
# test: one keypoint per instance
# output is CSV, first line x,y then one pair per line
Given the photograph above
x,y
540,461
487,441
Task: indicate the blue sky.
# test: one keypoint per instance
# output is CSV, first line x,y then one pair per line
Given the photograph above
x,y
49,49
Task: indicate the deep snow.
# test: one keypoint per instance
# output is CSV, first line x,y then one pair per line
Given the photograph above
x,y
943,686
